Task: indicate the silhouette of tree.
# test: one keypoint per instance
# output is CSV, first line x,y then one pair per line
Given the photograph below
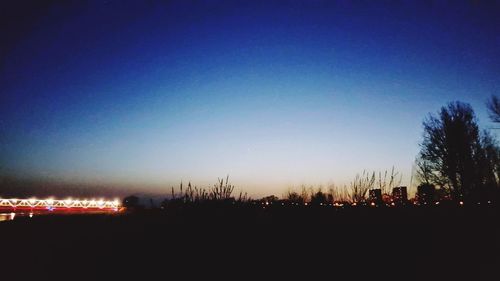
x,y
493,106
455,155
304,193
294,197
489,165
270,199
330,198
426,175
319,198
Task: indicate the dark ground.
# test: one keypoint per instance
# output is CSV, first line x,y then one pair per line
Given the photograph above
x,y
251,243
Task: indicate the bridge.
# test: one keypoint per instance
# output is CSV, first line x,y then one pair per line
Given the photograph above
x,y
51,205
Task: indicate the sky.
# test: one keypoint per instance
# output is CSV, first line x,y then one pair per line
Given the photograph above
x,y
145,94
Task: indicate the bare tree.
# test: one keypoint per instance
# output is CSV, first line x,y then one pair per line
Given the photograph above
x,y
294,197
493,106
455,154
304,193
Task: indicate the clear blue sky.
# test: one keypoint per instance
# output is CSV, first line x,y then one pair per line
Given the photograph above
x,y
273,93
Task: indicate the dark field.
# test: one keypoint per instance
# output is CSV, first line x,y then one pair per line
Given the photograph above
x,y
252,243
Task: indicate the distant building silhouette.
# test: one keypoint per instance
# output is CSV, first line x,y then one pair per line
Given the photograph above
x,y
375,196
400,195
426,193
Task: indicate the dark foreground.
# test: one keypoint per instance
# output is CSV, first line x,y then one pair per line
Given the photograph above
x,y
253,244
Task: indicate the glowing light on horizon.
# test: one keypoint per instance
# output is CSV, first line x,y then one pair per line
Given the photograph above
x,y
51,204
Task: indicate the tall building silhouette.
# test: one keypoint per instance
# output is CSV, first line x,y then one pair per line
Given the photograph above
x,y
426,194
400,195
375,196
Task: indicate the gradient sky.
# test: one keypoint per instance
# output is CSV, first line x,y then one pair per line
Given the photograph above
x,y
273,93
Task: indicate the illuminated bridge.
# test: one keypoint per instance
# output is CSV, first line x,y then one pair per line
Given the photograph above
x,y
50,205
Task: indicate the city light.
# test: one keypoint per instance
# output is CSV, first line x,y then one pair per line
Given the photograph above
x,y
51,204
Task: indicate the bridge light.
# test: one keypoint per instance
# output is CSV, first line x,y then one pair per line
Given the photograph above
x,y
50,204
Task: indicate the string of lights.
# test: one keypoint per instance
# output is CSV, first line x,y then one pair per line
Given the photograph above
x,y
53,204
